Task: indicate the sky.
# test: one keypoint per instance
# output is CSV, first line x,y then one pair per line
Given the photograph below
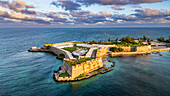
x,y
84,13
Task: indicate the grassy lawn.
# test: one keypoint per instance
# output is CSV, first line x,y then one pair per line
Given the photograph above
x,y
70,49
82,47
61,56
74,48
64,74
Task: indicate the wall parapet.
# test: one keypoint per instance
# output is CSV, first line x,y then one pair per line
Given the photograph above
x,y
56,50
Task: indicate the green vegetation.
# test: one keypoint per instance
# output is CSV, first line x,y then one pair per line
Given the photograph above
x,y
74,48
116,40
121,44
128,40
120,49
124,41
64,74
81,47
61,56
105,68
81,75
75,56
95,52
115,49
75,62
108,39
70,49
144,38
92,42
140,42
131,45
162,39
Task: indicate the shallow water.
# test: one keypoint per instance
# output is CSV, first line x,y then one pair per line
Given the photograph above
x,y
26,73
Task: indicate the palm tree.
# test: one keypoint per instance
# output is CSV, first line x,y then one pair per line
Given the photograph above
x,y
108,39
144,38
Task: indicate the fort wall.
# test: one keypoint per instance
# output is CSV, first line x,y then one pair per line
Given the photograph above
x,y
128,49
104,50
84,67
66,67
137,49
59,51
143,48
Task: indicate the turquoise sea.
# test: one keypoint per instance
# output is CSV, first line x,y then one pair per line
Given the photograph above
x,y
23,73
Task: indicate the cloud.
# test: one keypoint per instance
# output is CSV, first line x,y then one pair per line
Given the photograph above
x,y
18,6
4,20
117,8
124,18
80,13
105,13
116,2
151,13
167,18
86,17
57,18
63,13
77,4
145,15
24,17
136,6
67,5
19,12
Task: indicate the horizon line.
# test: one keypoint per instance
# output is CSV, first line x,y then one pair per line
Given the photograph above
x,y
91,27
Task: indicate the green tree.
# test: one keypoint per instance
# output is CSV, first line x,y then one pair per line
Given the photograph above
x,y
168,40
134,42
61,55
120,49
116,39
127,39
108,39
92,42
122,40
132,38
140,42
114,49
161,39
144,38
148,41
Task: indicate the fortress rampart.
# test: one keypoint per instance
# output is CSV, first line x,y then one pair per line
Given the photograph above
x,y
104,50
56,50
84,67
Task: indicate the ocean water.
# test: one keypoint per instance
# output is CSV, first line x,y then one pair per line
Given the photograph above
x,y
24,73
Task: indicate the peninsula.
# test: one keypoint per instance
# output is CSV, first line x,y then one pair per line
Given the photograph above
x,y
81,59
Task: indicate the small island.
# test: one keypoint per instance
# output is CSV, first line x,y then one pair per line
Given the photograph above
x,y
82,60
